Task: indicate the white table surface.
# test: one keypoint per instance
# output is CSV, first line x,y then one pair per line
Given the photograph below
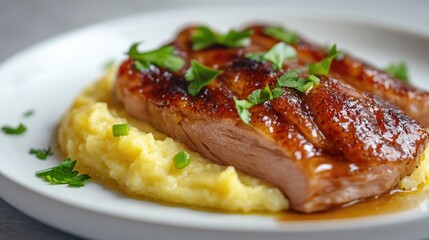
x,y
24,23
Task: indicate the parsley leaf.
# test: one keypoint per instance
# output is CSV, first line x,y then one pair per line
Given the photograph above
x,y
199,76
279,53
398,70
29,113
242,107
277,91
292,80
322,67
41,153
258,96
64,174
236,38
162,57
204,37
14,131
280,34
276,55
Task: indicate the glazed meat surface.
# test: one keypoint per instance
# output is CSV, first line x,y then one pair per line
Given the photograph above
x,y
340,142
413,101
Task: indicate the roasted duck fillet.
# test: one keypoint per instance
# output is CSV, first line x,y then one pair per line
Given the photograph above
x,y
332,145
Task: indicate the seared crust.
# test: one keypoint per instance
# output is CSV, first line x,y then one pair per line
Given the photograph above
x,y
329,146
361,75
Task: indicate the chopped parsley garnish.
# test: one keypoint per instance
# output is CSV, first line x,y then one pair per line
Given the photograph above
x,y
199,76
119,130
292,80
162,57
204,37
41,153
64,174
280,34
242,107
258,96
181,160
14,131
398,70
322,67
276,55
277,91
29,113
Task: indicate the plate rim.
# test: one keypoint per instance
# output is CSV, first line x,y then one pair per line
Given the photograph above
x,y
399,26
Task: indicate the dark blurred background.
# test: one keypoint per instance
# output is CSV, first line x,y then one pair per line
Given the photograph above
x,y
26,22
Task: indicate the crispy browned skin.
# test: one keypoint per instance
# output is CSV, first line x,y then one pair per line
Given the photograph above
x,y
329,146
413,101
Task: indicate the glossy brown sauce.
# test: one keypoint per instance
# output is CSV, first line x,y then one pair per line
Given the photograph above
x,y
390,203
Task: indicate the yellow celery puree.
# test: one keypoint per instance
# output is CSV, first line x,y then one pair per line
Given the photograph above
x,y
141,162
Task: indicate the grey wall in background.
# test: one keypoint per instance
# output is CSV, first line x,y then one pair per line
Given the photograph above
x,y
25,22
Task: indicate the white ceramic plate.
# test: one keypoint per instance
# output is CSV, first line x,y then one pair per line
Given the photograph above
x,y
49,75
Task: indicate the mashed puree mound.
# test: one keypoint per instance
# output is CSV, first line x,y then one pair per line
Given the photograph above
x,y
141,163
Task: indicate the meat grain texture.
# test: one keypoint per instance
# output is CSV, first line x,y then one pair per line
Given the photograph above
x,y
353,136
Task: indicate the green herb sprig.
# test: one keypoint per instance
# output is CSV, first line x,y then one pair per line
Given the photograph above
x,y
64,174
291,79
276,55
322,67
41,153
204,37
256,97
14,131
280,34
199,76
260,95
398,70
162,57
242,107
